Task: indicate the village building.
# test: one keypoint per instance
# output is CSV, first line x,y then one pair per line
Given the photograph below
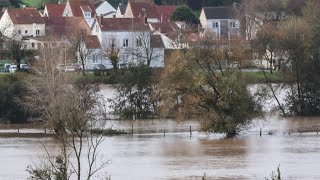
x,y
24,22
221,21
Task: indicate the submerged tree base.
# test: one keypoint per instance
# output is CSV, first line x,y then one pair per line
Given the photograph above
x,y
108,132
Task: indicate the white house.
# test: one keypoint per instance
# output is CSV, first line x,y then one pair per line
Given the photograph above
x,y
130,36
221,21
93,53
23,22
103,8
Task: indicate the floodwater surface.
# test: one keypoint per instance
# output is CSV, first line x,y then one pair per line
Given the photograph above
x,y
149,154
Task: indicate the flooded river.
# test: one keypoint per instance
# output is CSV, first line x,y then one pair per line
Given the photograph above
x,y
148,154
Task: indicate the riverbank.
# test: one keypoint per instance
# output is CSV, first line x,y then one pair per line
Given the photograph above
x,y
250,76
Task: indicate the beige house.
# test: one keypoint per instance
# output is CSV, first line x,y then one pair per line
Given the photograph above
x,y
18,23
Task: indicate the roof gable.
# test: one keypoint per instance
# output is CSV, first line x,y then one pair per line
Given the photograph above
x,y
55,9
139,9
25,16
221,12
76,9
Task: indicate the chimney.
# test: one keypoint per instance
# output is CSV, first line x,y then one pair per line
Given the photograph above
x,y
100,19
59,2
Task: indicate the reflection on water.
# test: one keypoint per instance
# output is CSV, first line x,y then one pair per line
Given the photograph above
x,y
150,155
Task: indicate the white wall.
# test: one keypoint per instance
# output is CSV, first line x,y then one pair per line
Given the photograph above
x,y
217,30
6,26
30,29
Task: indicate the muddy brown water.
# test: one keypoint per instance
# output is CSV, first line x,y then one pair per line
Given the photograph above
x,y
149,155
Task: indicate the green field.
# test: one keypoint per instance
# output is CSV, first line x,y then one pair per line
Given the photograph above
x,y
37,3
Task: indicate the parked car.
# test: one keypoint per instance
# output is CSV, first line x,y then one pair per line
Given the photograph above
x,y
99,67
6,67
69,68
12,68
25,67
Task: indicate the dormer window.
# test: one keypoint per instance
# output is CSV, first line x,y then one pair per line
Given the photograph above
x,y
86,11
87,14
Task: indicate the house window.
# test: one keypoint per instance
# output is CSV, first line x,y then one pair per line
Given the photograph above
x,y
215,25
95,59
37,32
19,31
125,58
32,45
26,32
139,42
125,42
232,24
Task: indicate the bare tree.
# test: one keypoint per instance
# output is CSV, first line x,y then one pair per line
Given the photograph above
x,y
111,50
82,52
72,108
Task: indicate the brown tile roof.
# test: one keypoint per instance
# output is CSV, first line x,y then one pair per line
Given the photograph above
x,y
25,16
86,8
60,26
55,9
92,42
165,12
164,27
156,41
123,24
76,7
141,8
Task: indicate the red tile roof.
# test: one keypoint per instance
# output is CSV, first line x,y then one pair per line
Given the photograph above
x,y
55,9
92,42
64,25
76,7
123,24
164,27
86,8
165,12
141,8
25,16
